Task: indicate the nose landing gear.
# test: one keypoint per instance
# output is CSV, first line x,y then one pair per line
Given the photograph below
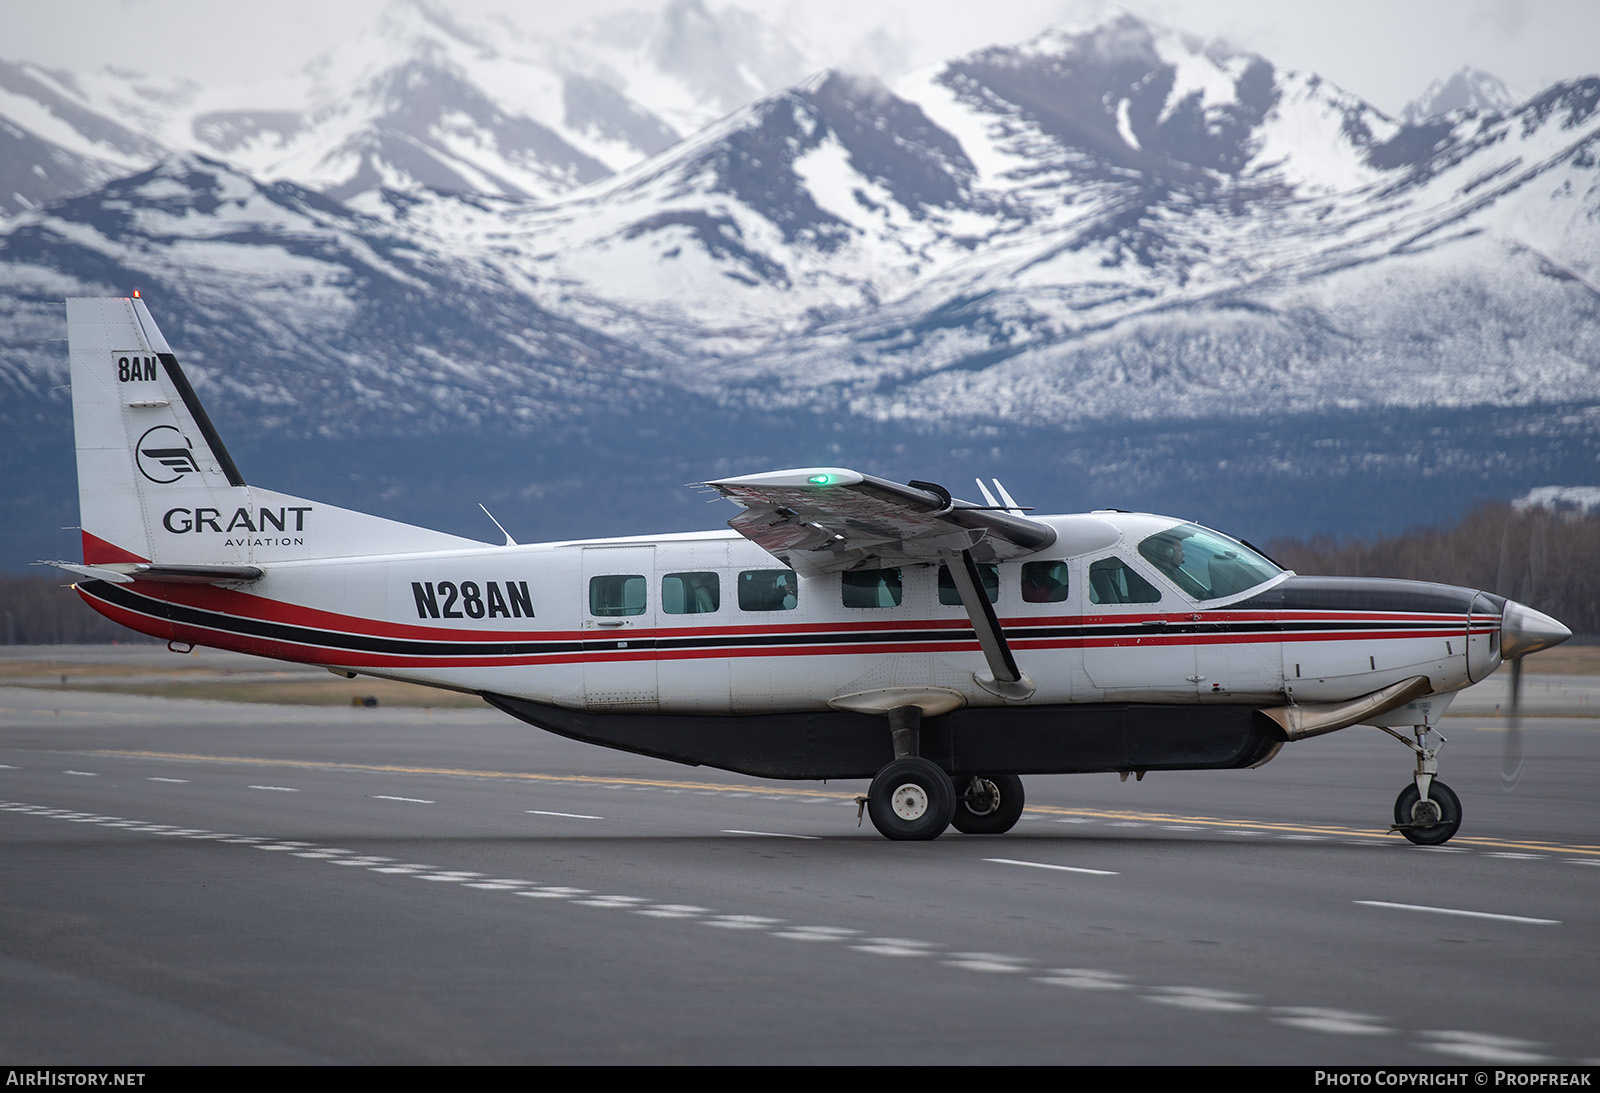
x,y
1427,812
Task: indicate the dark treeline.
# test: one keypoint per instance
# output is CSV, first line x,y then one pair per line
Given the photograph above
x,y
1547,560
38,609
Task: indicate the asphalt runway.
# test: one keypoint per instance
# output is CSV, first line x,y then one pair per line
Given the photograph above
x,y
200,882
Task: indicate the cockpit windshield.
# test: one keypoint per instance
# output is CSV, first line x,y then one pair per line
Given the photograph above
x,y
1205,564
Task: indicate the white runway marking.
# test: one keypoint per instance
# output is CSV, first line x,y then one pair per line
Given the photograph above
x,y
1457,911
673,910
1085,979
743,922
1201,998
408,800
82,773
767,834
894,946
815,933
550,892
183,781
986,962
1335,1022
1047,865
563,815
1484,1046
278,789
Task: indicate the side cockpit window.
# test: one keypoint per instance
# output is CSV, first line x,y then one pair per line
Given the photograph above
x,y
1111,581
1206,564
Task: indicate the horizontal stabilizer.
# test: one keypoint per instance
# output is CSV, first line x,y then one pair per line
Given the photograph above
x,y
126,573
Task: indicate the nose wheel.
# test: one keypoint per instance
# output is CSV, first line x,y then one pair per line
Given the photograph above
x,y
1427,821
1427,812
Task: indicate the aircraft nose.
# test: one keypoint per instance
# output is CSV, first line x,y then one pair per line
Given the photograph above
x,y
1524,630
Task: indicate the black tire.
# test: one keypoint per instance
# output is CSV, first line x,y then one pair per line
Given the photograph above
x,y
990,805
911,799
1418,824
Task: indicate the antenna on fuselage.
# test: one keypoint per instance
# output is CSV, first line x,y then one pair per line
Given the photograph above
x,y
509,540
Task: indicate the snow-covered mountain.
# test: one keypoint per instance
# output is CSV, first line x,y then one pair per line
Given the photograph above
x,y
1119,231
1467,89
426,100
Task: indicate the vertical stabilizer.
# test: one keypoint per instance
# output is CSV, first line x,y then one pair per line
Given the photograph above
x,y
156,484
141,433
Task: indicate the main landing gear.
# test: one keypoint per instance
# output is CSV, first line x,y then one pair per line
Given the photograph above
x,y
991,805
912,798
1427,812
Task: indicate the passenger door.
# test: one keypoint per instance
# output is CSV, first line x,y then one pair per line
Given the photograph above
x,y
619,620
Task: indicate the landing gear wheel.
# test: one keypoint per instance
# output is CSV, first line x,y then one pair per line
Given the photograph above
x,y
1430,822
991,804
910,799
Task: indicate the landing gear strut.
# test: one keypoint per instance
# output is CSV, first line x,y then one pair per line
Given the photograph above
x,y
911,798
1427,812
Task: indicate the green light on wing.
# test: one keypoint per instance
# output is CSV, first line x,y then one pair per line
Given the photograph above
x,y
821,479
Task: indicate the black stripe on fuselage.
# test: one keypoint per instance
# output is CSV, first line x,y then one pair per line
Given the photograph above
x,y
1360,594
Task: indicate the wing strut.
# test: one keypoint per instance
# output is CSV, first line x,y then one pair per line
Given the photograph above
x,y
1005,678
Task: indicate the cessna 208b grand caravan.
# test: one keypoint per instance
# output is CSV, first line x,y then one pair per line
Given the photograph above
x,y
845,627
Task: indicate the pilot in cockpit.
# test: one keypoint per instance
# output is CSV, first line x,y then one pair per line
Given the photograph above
x,y
1166,553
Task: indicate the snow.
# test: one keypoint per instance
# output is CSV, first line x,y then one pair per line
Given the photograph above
x,y
1195,72
38,120
1302,140
1125,127
1583,499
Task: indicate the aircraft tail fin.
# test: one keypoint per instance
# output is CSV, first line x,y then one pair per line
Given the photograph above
x,y
156,484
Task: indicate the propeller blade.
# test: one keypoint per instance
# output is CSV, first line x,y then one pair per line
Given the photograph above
x,y
1522,631
1511,761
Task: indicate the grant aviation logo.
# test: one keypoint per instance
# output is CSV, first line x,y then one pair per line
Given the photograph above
x,y
165,455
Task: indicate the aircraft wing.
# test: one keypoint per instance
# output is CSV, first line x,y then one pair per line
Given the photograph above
x,y
827,519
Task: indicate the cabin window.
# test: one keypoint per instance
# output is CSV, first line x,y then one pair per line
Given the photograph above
x,y
690,593
871,588
988,576
617,594
1204,563
768,590
1044,582
1111,581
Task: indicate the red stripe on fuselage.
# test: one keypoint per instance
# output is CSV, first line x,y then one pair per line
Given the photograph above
x,y
310,650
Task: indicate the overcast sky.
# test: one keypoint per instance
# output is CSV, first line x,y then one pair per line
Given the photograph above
x,y
1387,51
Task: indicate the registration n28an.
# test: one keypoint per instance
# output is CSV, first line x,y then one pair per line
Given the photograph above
x,y
845,627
